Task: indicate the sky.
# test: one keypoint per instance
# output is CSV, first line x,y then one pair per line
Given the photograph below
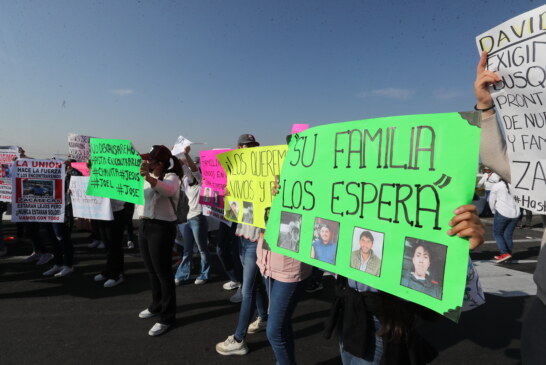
x,y
210,70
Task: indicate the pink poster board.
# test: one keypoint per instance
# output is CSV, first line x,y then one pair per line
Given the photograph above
x,y
297,128
214,179
81,167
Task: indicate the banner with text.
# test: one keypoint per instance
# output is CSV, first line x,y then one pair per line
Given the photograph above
x,y
37,191
7,154
517,53
115,171
85,206
214,179
371,200
78,147
250,175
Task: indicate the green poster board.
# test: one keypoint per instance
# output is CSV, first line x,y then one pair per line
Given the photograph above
x,y
115,171
371,200
250,175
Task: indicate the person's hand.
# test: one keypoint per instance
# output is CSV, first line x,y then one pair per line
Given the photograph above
x,y
226,191
484,78
187,149
467,224
144,168
276,186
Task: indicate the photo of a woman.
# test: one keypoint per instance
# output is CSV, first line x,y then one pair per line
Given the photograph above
x,y
417,273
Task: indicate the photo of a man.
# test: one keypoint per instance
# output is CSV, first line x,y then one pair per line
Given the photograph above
x,y
367,255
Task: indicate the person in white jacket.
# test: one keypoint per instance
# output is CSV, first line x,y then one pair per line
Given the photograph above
x,y
506,217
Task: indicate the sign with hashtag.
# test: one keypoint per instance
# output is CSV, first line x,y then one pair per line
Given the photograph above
x,y
115,171
517,53
371,200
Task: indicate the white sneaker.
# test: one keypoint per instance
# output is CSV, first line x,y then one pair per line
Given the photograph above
x,y
231,347
230,285
99,277
130,244
66,270
94,244
101,245
55,269
44,259
200,281
159,329
257,326
110,283
146,314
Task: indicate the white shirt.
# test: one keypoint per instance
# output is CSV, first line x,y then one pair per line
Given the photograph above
x,y
488,180
500,200
157,204
192,191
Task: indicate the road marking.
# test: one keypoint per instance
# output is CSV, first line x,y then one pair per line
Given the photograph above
x,y
518,240
504,282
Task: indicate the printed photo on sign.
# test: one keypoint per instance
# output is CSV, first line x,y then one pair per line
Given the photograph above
x,y
38,187
423,267
207,195
367,251
325,237
233,210
289,233
216,201
248,213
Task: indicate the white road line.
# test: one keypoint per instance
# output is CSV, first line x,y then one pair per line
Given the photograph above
x,y
518,240
502,281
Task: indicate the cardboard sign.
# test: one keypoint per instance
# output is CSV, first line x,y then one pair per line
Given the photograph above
x,y
250,175
214,179
78,147
37,191
85,206
371,200
517,53
115,171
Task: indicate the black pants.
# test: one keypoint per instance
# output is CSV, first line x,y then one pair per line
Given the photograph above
x,y
112,235
61,241
128,222
156,239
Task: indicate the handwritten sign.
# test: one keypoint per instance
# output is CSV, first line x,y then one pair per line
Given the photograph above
x,y
115,171
78,147
37,191
214,179
250,174
85,206
371,200
517,53
7,153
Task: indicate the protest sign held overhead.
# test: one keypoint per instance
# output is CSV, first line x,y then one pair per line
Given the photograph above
x,y
7,154
213,184
250,175
115,171
37,190
364,198
517,53
85,206
78,147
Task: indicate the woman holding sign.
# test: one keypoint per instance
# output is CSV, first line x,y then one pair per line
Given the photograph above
x,y
157,232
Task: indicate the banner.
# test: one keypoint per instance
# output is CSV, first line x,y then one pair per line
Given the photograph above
x,y
37,191
7,153
78,147
214,179
115,171
85,206
371,200
250,175
517,53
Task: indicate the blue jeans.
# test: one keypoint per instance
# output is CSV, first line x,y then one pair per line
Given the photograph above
x,y
503,229
349,359
194,231
283,298
253,291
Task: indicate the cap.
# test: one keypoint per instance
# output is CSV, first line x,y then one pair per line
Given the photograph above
x,y
158,153
246,139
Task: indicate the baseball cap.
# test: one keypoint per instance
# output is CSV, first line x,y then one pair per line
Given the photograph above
x,y
158,153
246,139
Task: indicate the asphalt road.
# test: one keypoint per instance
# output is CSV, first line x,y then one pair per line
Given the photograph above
x,y
74,320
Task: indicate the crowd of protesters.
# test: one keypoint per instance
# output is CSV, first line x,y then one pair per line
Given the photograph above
x,y
372,327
